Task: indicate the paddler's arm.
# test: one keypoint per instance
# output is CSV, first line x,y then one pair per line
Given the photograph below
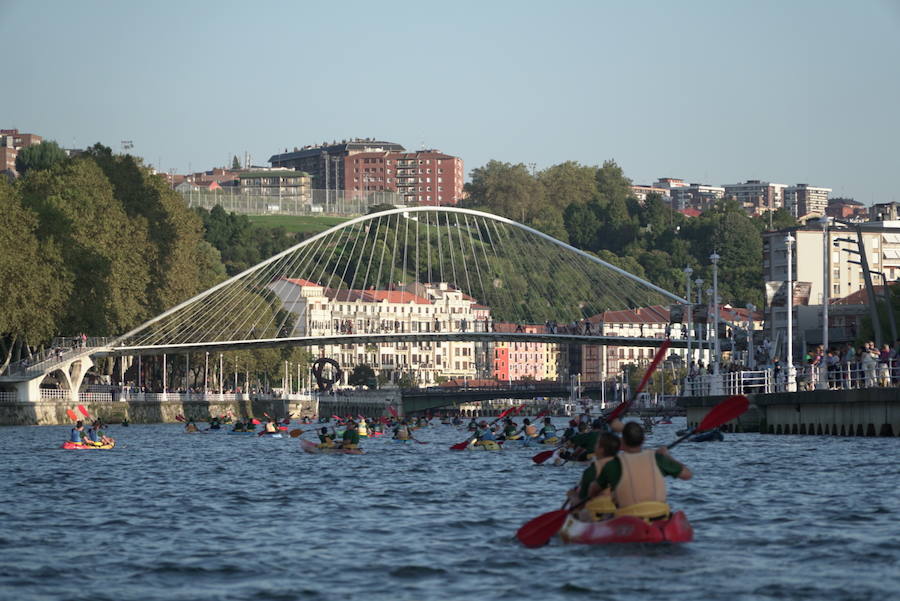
x,y
588,476
669,466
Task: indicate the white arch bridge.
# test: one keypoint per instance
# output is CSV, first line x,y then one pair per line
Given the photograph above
x,y
424,278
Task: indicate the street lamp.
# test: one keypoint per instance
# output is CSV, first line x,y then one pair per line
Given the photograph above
x,y
791,376
751,361
826,292
714,258
687,278
699,283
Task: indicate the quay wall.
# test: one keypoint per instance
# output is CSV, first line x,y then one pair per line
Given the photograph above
x,y
143,411
860,412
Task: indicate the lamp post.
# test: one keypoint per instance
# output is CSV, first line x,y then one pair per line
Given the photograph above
x,y
714,258
690,309
206,375
699,282
826,290
751,350
789,337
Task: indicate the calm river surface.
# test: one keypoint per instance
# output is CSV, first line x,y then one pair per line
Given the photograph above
x,y
171,516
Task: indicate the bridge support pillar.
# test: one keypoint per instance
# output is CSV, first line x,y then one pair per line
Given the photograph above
x,y
29,391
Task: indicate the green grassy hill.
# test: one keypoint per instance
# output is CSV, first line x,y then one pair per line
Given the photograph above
x,y
307,224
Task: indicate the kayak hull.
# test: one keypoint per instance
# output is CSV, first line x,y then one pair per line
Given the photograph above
x,y
74,445
711,436
484,445
628,529
309,446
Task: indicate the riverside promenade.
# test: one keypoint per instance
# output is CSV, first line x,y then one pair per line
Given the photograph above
x,y
858,412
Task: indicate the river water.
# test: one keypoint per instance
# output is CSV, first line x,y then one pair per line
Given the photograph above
x,y
171,516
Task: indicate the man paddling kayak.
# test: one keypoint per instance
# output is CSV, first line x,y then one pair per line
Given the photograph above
x,y
351,436
402,432
635,476
76,435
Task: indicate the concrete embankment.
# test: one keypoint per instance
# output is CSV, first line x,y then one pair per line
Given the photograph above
x,y
862,412
53,412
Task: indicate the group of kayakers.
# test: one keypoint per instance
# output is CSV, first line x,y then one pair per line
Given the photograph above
x,y
349,439
94,435
529,432
622,478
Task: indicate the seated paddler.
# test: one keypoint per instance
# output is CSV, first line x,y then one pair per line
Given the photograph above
x,y
351,436
635,476
76,434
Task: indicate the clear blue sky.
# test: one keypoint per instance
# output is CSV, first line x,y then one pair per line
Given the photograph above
x,y
709,91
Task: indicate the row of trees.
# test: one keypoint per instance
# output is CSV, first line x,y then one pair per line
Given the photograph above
x,y
99,244
594,209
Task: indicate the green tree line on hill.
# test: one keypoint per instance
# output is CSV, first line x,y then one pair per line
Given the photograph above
x,y
594,209
99,244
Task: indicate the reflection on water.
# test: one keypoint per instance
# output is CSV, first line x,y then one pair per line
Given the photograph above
x,y
166,515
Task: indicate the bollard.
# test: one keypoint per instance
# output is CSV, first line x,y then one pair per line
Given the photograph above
x,y
886,430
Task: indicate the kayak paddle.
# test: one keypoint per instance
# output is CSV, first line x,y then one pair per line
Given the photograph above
x,y
620,409
296,433
84,411
732,407
72,415
539,531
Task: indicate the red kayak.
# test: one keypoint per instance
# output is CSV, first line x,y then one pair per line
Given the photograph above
x,y
75,445
628,529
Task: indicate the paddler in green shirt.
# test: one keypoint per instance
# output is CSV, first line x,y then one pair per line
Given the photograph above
x,y
509,431
635,476
351,436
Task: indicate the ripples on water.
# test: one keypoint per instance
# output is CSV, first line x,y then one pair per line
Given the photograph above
x,y
171,516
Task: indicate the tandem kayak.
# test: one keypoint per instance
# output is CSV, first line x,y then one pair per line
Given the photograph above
x,y
309,446
484,445
78,445
628,529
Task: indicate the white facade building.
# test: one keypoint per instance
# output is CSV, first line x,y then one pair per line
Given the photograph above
x,y
322,311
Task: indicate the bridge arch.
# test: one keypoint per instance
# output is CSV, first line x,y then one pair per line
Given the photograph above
x,y
409,273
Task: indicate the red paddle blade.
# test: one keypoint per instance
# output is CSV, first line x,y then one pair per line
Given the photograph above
x,y
727,410
255,422
84,411
179,418
543,456
541,529
296,433
460,446
657,358
72,415
392,411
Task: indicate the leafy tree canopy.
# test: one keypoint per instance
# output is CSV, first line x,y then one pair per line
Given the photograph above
x,y
39,156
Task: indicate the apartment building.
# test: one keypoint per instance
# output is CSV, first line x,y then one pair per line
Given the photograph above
x,y
326,163
11,142
757,196
696,196
881,242
323,311
424,177
802,200
277,183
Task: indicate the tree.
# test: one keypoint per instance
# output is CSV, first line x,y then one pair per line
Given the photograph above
x,y
105,251
235,162
568,183
39,156
170,230
36,283
506,189
612,185
362,375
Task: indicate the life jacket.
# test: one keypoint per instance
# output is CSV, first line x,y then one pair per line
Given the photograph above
x,y
75,436
270,427
641,480
402,433
363,430
602,505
